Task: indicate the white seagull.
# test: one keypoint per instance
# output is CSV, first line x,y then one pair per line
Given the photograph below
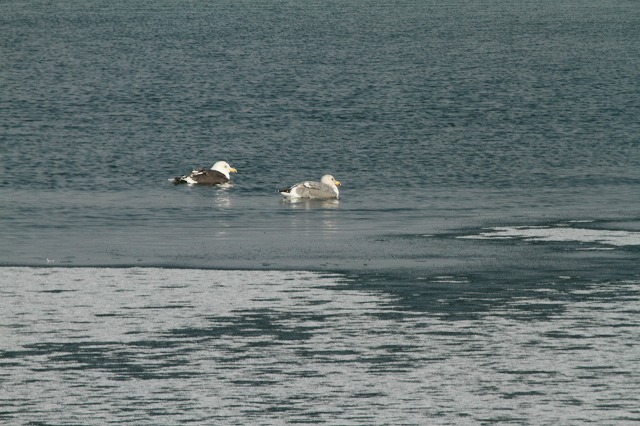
x,y
326,189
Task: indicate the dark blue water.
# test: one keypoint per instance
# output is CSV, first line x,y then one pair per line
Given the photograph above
x,y
481,265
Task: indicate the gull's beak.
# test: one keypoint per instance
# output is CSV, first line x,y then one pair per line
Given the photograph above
x,y
338,183
233,170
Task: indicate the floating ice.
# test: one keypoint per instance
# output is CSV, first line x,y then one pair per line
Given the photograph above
x,y
560,233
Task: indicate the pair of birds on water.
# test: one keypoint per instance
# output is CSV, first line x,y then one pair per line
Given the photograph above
x,y
326,189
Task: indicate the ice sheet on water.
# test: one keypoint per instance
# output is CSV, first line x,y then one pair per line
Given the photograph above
x,y
558,233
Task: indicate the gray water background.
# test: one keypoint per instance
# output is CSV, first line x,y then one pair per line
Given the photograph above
x,y
489,156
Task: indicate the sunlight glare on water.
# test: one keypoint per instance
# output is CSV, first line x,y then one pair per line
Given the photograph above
x,y
172,345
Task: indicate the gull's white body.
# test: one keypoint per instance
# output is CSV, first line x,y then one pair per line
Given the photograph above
x,y
326,189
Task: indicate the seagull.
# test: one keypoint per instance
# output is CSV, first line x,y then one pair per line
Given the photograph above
x,y
326,189
218,174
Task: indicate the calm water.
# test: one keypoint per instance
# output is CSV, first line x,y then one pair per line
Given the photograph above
x,y
481,265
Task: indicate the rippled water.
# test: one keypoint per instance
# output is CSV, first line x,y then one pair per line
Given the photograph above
x,y
481,265
151,346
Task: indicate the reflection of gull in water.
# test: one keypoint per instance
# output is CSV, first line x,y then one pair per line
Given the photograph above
x,y
330,226
222,199
308,203
318,223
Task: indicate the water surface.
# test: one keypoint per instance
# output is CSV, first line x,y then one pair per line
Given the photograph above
x,y
481,265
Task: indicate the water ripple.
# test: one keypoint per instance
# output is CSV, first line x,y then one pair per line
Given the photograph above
x,y
155,346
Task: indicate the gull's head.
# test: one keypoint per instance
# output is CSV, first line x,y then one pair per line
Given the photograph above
x,y
330,180
224,168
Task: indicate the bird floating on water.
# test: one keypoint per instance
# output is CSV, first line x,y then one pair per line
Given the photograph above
x,y
326,189
218,174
